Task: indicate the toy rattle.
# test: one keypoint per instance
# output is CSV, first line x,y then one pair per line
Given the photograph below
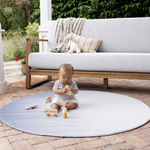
x,y
31,107
70,92
48,99
50,112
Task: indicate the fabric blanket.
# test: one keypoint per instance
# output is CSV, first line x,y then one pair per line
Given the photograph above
x,y
63,28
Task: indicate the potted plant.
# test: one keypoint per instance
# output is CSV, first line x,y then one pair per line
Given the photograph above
x,y
23,62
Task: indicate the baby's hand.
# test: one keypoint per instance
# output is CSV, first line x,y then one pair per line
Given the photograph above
x,y
64,90
70,88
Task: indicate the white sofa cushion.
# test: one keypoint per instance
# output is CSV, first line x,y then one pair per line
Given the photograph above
x,y
115,62
117,35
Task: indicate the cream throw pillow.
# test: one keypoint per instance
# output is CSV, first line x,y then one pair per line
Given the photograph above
x,y
87,45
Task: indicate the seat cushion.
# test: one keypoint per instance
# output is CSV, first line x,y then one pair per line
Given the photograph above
x,y
115,62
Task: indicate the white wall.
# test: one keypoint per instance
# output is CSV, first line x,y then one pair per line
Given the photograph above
x,y
45,16
3,84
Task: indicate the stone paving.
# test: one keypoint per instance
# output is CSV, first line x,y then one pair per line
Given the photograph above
x,y
12,72
137,139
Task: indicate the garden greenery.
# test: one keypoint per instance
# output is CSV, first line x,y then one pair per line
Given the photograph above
x,y
15,16
94,9
14,42
31,31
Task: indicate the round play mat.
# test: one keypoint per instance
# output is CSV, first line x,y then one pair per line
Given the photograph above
x,y
98,114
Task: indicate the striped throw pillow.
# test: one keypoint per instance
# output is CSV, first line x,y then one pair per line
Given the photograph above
x,y
87,45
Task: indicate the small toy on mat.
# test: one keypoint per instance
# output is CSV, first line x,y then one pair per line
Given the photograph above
x,y
48,99
50,112
64,109
31,107
70,92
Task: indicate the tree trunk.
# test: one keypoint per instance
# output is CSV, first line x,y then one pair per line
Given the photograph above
x,y
28,12
6,21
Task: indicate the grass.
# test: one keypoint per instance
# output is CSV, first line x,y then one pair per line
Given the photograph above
x,y
13,46
14,42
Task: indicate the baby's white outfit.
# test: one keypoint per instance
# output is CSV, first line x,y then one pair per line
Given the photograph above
x,y
62,99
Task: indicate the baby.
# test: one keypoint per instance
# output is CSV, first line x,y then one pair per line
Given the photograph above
x,y
61,97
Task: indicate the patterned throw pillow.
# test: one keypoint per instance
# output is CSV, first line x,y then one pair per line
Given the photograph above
x,y
87,45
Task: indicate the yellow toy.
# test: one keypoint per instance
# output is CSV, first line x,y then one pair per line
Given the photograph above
x,y
64,109
70,92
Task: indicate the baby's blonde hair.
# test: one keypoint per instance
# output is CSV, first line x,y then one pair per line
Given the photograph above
x,y
66,67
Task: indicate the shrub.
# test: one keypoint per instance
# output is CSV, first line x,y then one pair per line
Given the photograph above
x,y
13,44
31,31
94,9
18,50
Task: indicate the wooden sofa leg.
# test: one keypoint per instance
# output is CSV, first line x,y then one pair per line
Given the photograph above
x,y
105,83
49,77
28,81
28,78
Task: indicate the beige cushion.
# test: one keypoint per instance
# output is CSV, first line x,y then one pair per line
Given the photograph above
x,y
87,45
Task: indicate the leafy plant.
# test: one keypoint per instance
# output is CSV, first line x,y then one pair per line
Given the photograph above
x,y
13,44
19,51
23,60
36,12
31,31
18,13
93,9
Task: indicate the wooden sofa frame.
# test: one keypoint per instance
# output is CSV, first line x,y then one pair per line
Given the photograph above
x,y
88,74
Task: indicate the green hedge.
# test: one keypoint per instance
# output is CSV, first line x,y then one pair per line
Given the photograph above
x,y
93,9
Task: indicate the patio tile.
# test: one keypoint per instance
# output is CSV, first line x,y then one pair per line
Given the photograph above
x,y
12,94
5,100
66,141
2,96
118,146
21,92
146,148
19,145
147,138
90,139
41,139
142,133
1,106
91,144
9,132
19,137
33,92
6,127
44,146
113,139
66,148
0,124
134,140
15,98
5,145
1,129
147,125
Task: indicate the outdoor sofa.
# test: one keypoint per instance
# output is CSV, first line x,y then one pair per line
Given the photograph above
x,y
124,52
